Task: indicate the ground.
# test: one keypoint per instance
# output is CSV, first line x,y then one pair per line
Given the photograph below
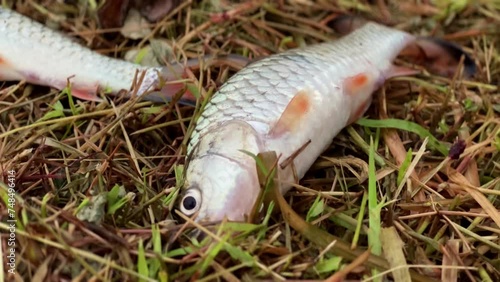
x,y
93,185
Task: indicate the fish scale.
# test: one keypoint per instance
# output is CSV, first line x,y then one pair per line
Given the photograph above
x,y
263,89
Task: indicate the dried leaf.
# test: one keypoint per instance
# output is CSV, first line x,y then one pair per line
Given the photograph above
x,y
393,252
155,10
135,26
449,259
112,14
480,198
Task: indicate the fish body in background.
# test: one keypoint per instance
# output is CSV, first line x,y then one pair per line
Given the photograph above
x,y
295,101
32,52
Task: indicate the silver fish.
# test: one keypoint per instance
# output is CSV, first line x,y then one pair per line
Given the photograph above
x,y
280,103
32,52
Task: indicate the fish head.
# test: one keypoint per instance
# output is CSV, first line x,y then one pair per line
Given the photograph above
x,y
221,177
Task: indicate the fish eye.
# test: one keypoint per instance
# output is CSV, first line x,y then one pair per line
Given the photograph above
x,y
191,202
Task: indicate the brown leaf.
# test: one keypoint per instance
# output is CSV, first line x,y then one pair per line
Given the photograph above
x,y
472,190
449,259
393,248
155,10
113,13
320,237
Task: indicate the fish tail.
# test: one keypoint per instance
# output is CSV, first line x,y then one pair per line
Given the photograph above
x,y
440,56
437,55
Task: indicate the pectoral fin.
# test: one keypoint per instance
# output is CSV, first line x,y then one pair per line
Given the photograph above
x,y
294,112
7,72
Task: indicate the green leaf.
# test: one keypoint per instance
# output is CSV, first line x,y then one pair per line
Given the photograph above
x,y
193,88
316,209
443,126
470,106
408,126
67,91
239,254
82,205
155,232
155,263
179,174
497,141
142,266
404,166
179,252
113,195
285,40
141,54
373,205
239,227
212,253
116,206
116,198
57,111
328,265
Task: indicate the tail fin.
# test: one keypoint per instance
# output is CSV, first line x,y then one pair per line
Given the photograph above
x,y
438,55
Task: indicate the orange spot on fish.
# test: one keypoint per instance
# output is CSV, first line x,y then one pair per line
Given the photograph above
x,y
360,80
298,107
355,84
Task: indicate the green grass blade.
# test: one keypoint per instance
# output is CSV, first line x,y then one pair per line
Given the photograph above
x,y
142,266
408,126
404,166
373,205
361,215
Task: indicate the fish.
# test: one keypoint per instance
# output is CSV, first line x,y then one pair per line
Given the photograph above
x,y
39,55
298,100
293,103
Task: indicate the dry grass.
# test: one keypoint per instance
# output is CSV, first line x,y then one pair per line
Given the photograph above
x,y
445,211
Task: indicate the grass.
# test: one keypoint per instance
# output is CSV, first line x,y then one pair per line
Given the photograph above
x,y
385,199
